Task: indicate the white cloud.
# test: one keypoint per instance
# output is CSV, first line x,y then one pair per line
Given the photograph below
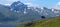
x,y
7,4
7,1
58,3
29,0
11,0
32,5
57,6
29,4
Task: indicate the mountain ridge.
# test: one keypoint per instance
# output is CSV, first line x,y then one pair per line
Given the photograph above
x,y
19,13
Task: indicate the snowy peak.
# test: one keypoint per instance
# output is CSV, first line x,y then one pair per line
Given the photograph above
x,y
18,6
22,8
14,4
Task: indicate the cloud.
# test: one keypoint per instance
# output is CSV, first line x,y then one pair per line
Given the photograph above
x,y
58,3
57,6
7,4
11,0
32,5
29,0
1,1
29,4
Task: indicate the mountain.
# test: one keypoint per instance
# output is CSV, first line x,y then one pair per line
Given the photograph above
x,y
19,13
7,17
18,6
23,9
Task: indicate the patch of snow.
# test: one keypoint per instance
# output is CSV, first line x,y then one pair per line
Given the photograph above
x,y
17,11
25,12
56,12
11,9
52,10
7,4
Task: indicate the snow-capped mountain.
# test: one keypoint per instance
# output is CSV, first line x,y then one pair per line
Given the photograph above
x,y
18,6
33,13
19,13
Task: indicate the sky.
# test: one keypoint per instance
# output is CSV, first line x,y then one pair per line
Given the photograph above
x,y
41,3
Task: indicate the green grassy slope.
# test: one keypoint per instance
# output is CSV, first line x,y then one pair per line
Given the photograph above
x,y
50,22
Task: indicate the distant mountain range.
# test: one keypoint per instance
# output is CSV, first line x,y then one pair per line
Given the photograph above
x,y
19,13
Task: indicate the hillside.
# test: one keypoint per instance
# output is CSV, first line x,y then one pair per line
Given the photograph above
x,y
50,22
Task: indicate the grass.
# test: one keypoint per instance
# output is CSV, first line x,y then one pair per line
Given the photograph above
x,y
50,22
